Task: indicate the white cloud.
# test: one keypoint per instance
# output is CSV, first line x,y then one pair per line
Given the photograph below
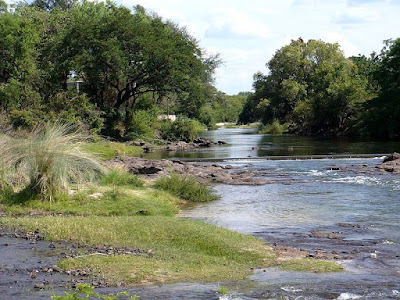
x,y
230,23
349,48
358,15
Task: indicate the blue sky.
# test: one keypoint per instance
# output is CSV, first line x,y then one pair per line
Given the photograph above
x,y
247,33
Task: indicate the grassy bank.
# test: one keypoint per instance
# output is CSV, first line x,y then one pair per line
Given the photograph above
x,y
108,150
174,249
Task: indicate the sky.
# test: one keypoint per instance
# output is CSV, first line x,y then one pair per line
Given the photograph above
x,y
246,34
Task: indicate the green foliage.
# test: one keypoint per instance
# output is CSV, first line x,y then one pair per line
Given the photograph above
x,y
182,129
117,178
51,158
383,114
274,128
142,124
222,290
89,293
222,108
312,85
116,73
186,188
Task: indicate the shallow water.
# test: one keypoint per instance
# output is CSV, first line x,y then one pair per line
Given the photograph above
x,y
243,143
308,196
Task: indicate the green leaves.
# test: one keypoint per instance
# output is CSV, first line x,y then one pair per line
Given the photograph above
x,y
312,86
119,56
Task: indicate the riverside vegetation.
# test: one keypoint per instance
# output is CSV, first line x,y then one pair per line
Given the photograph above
x,y
118,209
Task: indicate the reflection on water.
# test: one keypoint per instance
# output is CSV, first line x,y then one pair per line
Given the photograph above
x,y
242,143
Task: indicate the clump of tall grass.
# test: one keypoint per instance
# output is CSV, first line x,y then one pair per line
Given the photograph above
x,y
116,178
50,159
273,128
186,187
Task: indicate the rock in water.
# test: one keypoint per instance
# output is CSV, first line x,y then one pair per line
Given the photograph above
x,y
391,163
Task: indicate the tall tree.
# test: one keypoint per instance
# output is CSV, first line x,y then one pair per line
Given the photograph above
x,y
311,85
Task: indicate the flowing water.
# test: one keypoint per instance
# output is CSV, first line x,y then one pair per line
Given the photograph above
x,y
331,194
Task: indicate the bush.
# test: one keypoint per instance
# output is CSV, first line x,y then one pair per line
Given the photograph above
x,y
274,128
186,188
50,157
183,129
141,125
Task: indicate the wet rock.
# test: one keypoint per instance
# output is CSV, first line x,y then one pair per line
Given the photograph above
x,y
324,235
39,286
290,252
391,163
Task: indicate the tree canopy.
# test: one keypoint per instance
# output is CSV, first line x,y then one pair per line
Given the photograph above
x,y
115,55
312,86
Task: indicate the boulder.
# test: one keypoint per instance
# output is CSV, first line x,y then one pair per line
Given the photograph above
x,y
391,163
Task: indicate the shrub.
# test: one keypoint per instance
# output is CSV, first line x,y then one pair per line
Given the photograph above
x,y
183,129
142,124
274,128
51,158
186,187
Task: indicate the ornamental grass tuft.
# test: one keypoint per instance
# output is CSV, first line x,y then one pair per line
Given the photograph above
x,y
48,160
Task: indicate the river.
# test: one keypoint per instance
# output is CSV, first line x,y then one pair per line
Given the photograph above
x,y
328,195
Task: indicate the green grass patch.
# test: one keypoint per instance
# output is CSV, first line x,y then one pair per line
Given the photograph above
x,y
182,250
311,265
109,150
186,187
107,201
116,178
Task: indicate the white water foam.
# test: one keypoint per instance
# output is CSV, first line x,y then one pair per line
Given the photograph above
x,y
364,180
290,289
229,297
348,296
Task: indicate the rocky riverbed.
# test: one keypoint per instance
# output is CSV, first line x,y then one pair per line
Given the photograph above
x,y
213,173
389,165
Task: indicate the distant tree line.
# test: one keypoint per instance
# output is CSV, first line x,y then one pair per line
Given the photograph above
x,y
315,90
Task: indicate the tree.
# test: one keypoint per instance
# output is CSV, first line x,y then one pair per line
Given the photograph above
x,y
383,116
312,86
117,55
